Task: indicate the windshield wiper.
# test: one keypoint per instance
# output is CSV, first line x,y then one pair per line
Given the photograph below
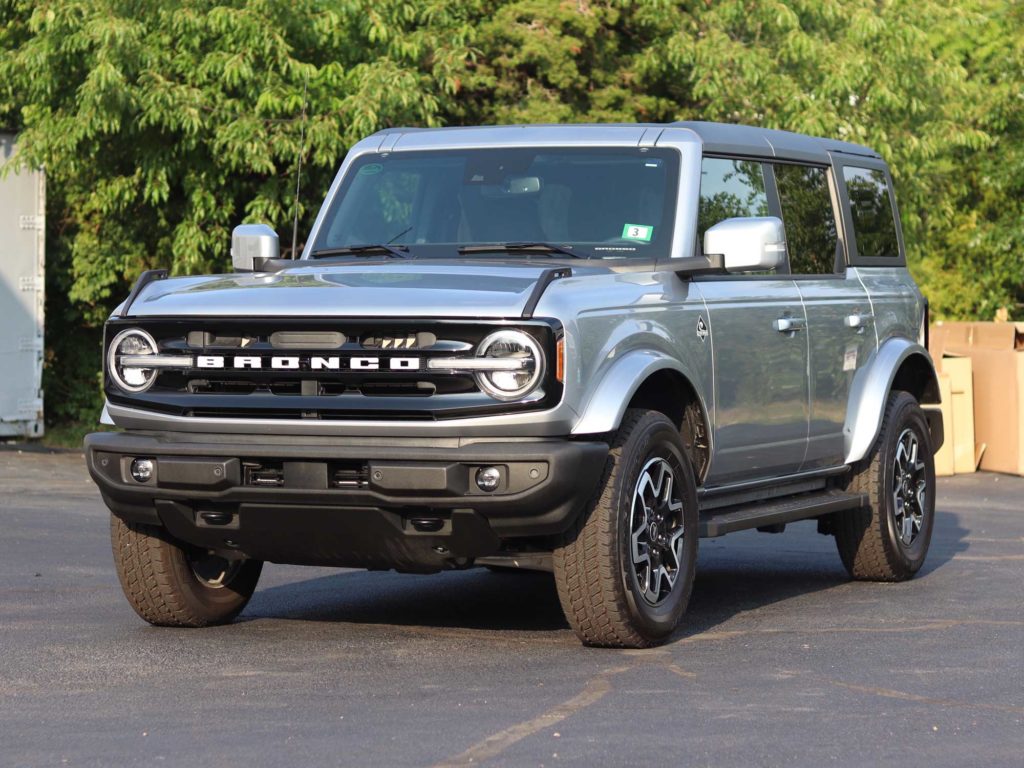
x,y
368,249
548,249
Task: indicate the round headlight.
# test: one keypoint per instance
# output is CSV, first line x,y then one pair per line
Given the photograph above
x,y
518,368
123,364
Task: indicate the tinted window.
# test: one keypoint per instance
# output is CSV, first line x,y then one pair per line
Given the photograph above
x,y
873,223
612,202
729,189
811,235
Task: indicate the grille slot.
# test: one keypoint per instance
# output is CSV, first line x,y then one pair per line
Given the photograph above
x,y
266,475
398,388
349,474
307,340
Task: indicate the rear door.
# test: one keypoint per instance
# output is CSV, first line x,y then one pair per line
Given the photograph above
x,y
760,367
876,247
840,322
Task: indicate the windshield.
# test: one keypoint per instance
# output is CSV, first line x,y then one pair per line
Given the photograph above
x,y
608,202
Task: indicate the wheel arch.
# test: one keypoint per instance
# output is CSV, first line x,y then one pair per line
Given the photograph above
x,y
899,364
653,381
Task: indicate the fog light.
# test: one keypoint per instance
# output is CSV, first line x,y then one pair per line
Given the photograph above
x,y
142,470
487,479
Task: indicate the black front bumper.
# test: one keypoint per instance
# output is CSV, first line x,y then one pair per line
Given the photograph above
x,y
411,504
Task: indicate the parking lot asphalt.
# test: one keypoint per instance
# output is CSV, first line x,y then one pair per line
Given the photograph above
x,y
781,662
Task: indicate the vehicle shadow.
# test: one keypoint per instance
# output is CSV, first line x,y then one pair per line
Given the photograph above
x,y
948,539
471,599
741,573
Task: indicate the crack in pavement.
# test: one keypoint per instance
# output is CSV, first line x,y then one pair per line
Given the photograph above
x,y
496,743
927,626
595,690
890,693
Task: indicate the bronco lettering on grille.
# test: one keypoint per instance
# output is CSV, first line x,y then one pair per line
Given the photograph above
x,y
315,363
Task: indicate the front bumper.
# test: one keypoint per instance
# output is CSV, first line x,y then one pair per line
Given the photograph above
x,y
407,503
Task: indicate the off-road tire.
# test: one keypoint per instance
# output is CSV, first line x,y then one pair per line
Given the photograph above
x,y
598,593
159,582
868,543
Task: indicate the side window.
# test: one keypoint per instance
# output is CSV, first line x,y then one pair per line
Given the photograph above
x,y
811,233
729,189
873,223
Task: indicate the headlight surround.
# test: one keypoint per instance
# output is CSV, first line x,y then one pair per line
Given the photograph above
x,y
131,378
510,385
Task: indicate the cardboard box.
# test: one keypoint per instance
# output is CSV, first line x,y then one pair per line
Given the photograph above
x,y
944,463
960,372
956,387
996,351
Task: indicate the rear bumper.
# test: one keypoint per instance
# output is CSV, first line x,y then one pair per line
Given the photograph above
x,y
398,502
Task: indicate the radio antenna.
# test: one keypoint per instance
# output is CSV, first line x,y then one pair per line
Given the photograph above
x,y
298,169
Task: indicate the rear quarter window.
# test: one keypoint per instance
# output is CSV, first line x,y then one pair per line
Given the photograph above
x,y
871,207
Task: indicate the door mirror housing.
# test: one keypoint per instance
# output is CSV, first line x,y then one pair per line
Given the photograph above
x,y
749,244
253,246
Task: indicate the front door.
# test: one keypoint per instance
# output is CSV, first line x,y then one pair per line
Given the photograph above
x,y
758,330
759,337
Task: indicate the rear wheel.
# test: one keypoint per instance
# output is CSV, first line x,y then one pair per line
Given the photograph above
x,y
625,571
888,539
172,584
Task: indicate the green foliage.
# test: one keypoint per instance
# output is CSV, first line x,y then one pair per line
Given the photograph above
x,y
164,123
975,264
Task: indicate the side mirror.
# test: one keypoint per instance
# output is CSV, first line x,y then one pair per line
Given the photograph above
x,y
252,246
752,244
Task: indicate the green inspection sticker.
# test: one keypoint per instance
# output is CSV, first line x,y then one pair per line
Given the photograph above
x,y
371,168
637,232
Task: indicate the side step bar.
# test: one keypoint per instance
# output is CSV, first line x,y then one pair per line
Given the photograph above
x,y
777,511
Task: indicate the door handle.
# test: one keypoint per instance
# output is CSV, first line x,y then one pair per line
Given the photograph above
x,y
859,320
789,324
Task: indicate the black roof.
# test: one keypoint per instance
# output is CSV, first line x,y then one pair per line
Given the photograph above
x,y
725,138
729,138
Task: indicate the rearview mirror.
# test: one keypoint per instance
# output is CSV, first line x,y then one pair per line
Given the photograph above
x,y
252,246
522,185
750,244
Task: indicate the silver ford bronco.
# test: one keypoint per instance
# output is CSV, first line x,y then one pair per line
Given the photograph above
x,y
568,348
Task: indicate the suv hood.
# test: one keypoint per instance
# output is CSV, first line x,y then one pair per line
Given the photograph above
x,y
389,289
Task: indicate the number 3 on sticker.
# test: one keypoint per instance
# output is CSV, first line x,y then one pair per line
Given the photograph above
x,y
637,232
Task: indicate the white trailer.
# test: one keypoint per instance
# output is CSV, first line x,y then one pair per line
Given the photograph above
x,y
22,261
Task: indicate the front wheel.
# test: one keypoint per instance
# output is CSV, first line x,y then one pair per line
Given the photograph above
x,y
888,539
625,571
172,584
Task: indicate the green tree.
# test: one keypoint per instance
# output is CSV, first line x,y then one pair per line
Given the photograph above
x,y
163,123
976,264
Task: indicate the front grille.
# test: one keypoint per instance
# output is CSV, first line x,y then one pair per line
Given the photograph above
x,y
324,369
